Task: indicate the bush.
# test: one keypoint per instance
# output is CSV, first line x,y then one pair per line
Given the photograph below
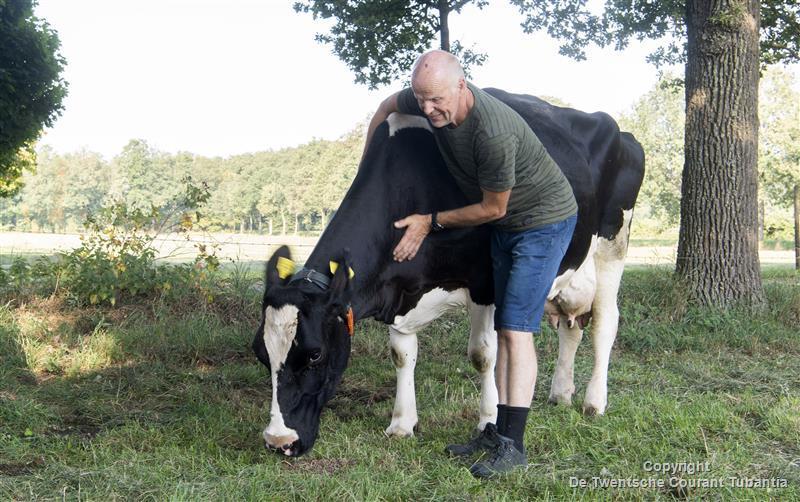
x,y
117,259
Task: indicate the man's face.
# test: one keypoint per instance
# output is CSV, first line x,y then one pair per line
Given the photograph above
x,y
439,100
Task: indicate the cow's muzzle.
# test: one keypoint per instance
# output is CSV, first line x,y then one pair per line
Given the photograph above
x,y
288,445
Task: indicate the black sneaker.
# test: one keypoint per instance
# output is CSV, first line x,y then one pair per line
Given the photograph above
x,y
487,440
504,458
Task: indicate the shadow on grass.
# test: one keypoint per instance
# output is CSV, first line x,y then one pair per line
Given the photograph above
x,y
143,381
145,400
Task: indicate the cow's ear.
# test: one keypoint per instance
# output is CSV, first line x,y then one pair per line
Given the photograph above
x,y
343,274
280,267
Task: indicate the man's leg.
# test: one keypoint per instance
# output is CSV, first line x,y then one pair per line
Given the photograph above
x,y
519,383
523,287
520,368
516,377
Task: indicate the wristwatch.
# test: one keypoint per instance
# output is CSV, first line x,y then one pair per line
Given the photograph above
x,y
435,225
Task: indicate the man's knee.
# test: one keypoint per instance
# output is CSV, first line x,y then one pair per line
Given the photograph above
x,y
511,337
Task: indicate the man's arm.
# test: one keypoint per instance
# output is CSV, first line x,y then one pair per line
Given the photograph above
x,y
492,207
386,108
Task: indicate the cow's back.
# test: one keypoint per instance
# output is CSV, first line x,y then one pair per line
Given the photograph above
x,y
604,165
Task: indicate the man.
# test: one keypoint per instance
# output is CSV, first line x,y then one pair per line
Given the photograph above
x,y
513,184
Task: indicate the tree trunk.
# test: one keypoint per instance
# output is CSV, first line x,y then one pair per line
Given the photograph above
x,y
269,223
444,29
283,221
296,223
797,227
718,240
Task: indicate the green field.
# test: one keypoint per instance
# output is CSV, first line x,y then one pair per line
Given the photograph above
x,y
157,400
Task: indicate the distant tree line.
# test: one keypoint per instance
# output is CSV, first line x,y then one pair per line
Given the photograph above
x,y
296,190
289,191
657,120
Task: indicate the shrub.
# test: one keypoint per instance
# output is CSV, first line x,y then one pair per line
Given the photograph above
x,y
117,259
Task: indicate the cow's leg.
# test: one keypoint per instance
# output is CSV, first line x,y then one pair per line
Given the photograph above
x,y
482,350
403,343
563,385
404,357
610,263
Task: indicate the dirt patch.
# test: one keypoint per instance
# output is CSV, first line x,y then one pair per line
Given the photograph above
x,y
52,312
21,469
319,466
364,396
356,402
83,431
27,378
76,426
206,362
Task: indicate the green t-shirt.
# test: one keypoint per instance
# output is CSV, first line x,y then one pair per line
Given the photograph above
x,y
495,150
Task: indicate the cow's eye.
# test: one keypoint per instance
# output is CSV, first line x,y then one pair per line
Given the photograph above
x,y
314,357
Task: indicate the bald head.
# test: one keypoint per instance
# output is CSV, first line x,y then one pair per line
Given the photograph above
x,y
438,84
436,68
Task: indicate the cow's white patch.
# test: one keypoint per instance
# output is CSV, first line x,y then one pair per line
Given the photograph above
x,y
398,121
482,350
572,293
433,304
404,357
592,287
403,343
563,385
280,330
609,262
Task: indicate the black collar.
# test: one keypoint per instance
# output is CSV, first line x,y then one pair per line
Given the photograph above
x,y
322,281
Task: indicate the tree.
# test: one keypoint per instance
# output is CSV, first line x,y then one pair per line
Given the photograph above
x,y
148,179
43,194
380,39
719,42
657,120
31,87
779,157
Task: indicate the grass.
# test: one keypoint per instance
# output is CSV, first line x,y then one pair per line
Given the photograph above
x,y
157,401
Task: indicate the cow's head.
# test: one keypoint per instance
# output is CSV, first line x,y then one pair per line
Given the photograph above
x,y
305,342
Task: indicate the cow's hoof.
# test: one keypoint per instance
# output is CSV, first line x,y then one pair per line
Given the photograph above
x,y
591,410
399,431
562,399
594,403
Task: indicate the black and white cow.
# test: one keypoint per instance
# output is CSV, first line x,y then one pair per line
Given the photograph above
x,y
304,336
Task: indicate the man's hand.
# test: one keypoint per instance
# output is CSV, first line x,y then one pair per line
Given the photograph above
x,y
417,228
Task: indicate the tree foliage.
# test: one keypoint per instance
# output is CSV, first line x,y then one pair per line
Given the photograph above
x,y
380,40
291,190
31,87
577,25
720,41
657,121
779,155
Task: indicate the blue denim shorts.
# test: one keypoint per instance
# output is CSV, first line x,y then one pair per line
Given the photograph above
x,y
525,265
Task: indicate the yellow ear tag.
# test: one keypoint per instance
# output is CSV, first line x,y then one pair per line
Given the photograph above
x,y
285,267
333,265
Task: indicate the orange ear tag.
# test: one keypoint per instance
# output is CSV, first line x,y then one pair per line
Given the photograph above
x,y
351,322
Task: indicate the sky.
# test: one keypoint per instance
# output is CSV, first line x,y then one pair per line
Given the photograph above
x,y
224,77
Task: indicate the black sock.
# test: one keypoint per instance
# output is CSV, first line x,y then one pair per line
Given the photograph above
x,y
515,419
501,418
